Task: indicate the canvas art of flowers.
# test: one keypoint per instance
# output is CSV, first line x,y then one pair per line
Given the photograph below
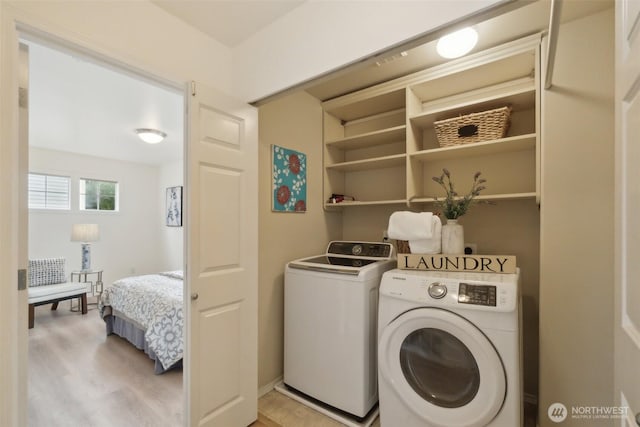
x,y
289,180
453,205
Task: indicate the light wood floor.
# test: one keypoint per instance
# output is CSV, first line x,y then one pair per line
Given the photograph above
x,y
78,377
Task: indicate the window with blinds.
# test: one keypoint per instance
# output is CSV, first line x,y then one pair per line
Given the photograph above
x,y
49,192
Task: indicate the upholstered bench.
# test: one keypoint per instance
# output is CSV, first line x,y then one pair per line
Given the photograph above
x,y
48,285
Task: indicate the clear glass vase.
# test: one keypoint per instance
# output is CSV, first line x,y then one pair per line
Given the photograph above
x,y
452,238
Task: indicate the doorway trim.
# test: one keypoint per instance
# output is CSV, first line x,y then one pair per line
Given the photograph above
x,y
14,24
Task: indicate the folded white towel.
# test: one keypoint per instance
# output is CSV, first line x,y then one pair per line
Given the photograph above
x,y
432,245
405,225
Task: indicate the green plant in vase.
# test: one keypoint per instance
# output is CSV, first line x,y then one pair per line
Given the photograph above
x,y
453,206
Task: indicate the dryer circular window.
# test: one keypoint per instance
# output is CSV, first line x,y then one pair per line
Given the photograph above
x,y
438,361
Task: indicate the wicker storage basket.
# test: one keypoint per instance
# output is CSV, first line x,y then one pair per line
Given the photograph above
x,y
402,246
475,127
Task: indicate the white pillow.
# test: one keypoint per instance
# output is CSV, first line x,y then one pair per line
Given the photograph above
x,y
47,271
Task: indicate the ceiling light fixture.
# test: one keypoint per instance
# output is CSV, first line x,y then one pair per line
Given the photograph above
x,y
457,44
150,136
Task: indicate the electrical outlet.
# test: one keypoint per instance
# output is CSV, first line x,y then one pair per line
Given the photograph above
x,y
470,248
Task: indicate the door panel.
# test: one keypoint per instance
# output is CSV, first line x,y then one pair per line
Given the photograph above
x,y
224,206
627,191
221,360
222,260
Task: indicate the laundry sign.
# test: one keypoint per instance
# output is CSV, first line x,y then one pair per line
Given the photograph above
x,y
465,263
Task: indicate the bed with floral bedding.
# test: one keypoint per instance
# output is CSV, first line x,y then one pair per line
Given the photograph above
x,y
147,311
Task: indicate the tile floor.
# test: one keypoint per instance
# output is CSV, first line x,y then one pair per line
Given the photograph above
x,y
277,410
287,412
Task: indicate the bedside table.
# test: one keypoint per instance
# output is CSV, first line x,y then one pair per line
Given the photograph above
x,y
94,277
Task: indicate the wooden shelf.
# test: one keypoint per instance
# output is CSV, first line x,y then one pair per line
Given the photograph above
x,y
367,203
484,197
370,139
519,94
469,73
504,145
369,164
364,104
372,124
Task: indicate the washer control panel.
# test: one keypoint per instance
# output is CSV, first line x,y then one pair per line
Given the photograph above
x,y
361,249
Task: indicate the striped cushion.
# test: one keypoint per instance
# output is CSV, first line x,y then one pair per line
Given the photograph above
x,y
47,271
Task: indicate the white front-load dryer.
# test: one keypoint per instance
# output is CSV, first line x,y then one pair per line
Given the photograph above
x,y
449,350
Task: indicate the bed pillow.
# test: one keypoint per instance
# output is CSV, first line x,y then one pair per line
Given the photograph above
x,y
176,274
47,271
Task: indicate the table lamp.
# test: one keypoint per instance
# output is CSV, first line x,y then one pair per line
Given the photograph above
x,y
85,233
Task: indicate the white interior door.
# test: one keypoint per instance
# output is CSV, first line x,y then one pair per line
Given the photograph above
x,y
222,257
627,324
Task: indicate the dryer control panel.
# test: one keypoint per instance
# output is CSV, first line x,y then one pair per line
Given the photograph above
x,y
469,291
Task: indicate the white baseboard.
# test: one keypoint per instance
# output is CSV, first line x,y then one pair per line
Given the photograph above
x,y
268,387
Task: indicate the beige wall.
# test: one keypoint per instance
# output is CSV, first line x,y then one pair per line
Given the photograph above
x,y
576,288
292,122
578,160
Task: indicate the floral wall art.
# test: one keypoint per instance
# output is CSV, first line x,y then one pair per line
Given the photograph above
x,y
289,180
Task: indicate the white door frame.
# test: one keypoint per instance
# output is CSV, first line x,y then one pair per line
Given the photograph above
x,y
626,325
13,306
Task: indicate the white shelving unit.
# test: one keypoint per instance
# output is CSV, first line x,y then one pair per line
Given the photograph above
x,y
380,143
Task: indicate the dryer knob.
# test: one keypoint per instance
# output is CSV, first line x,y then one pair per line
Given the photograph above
x,y
437,290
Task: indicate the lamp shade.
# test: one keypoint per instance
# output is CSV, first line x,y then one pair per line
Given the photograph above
x,y
85,233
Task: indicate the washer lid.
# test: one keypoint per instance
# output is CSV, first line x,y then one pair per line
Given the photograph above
x,y
348,258
443,368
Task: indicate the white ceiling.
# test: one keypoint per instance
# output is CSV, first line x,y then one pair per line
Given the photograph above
x,y
527,18
79,106
229,21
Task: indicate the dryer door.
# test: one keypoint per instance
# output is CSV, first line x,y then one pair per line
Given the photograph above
x,y
443,367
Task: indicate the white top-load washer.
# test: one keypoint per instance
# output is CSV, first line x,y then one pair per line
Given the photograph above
x,y
330,317
449,350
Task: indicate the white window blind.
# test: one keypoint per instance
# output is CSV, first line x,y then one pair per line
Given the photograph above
x,y
49,192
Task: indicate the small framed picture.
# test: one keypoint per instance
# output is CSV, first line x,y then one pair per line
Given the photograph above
x,y
173,212
289,179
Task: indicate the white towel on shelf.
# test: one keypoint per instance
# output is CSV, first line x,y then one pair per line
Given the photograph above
x,y
405,225
432,245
